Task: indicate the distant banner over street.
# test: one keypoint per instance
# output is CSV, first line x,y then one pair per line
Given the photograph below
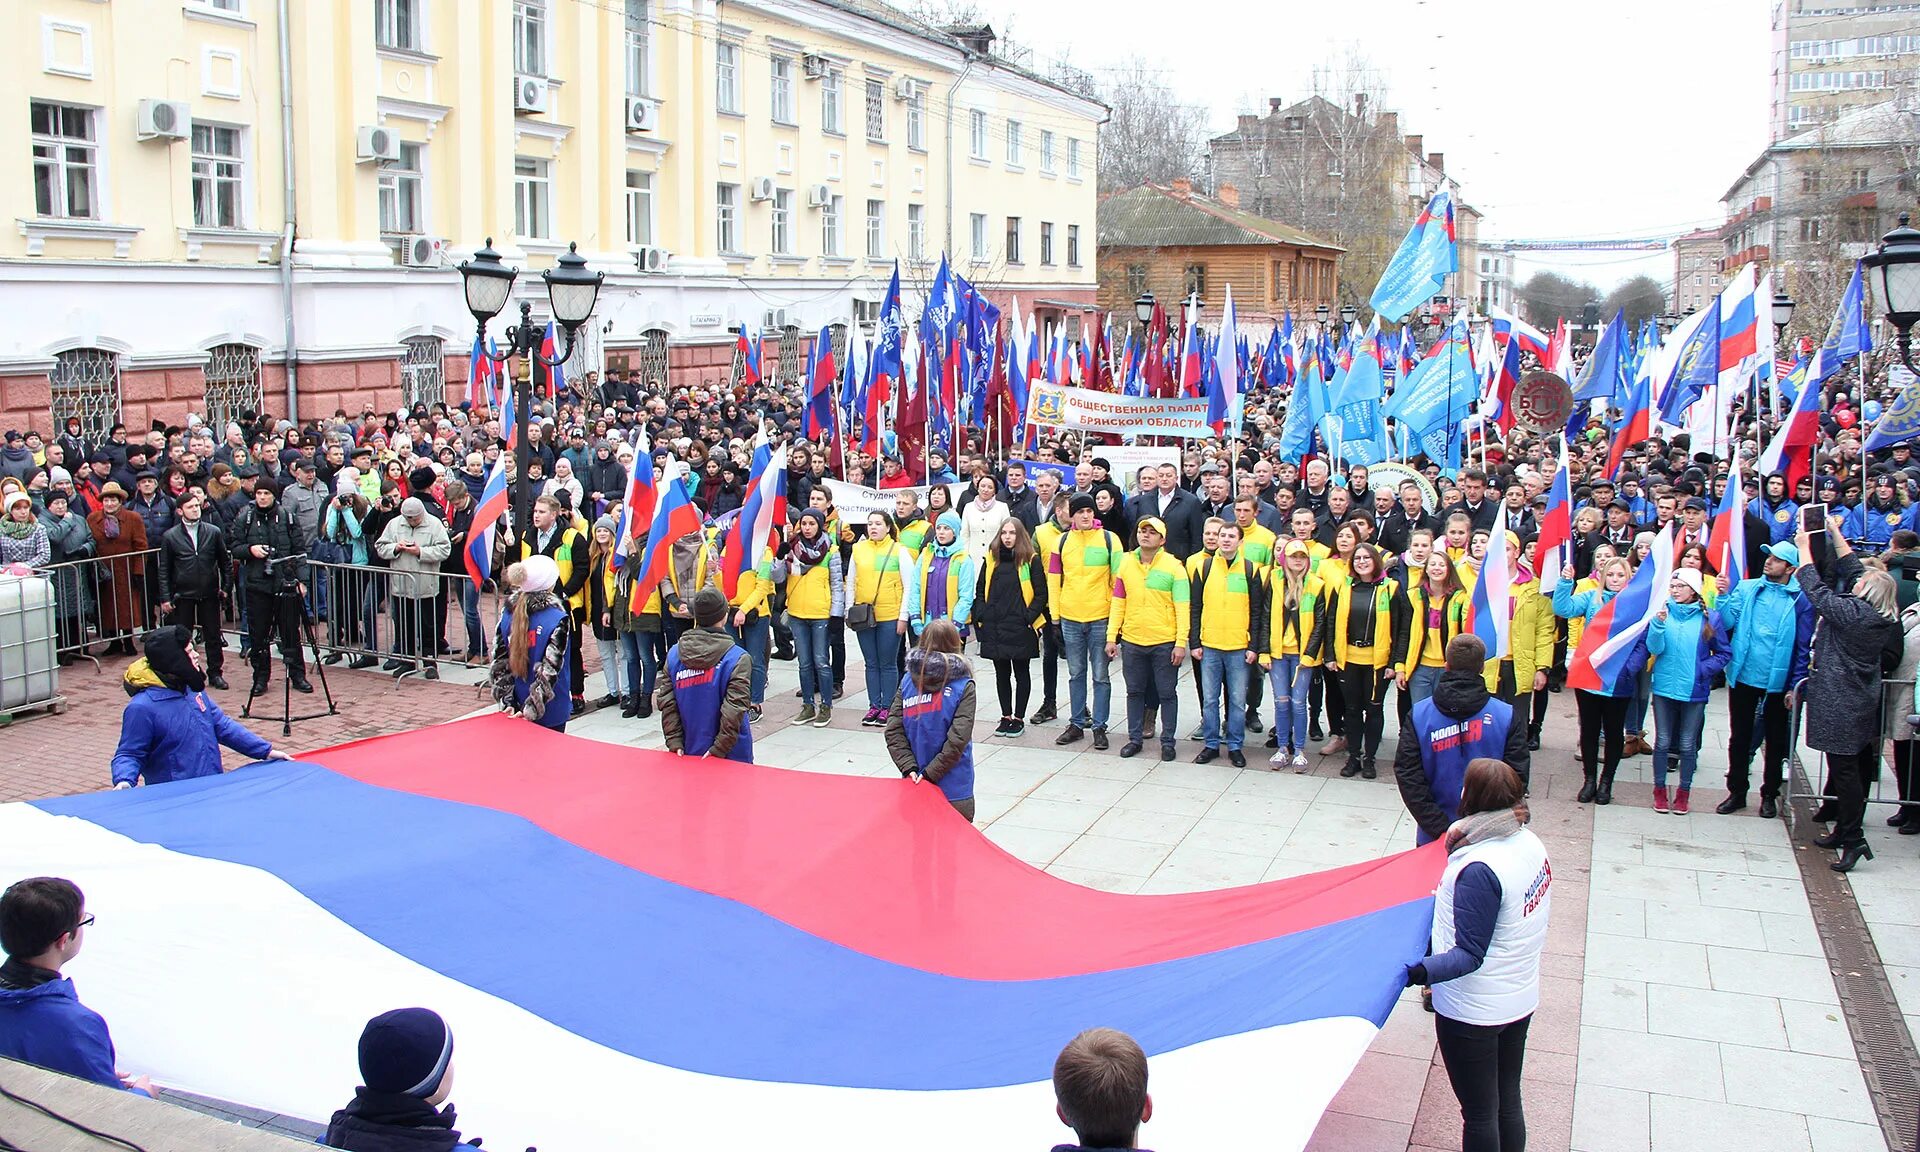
x,y
1091,411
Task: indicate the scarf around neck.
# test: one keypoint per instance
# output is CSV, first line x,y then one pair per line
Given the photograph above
x,y
1484,826
811,552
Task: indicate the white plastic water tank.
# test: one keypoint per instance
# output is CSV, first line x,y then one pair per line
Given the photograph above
x,y
29,674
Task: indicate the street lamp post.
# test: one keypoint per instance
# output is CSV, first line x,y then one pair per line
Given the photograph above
x,y
1893,275
1143,310
1782,314
1320,314
571,291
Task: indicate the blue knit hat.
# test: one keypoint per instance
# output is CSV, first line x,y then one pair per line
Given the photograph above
x,y
406,1051
950,522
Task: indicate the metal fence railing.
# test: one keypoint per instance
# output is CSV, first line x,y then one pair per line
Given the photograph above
x,y
102,600
1896,701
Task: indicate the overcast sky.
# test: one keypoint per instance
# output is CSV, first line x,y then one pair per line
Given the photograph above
x,y
1560,121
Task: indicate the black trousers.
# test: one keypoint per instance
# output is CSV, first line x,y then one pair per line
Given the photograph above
x,y
1336,708
837,642
1014,679
1601,715
1848,776
1362,691
1484,1062
1049,665
1906,754
203,614
1152,681
269,615
1748,709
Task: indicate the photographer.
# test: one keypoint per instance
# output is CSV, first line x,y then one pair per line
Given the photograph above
x,y
274,566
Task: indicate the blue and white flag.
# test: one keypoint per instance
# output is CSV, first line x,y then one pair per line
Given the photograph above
x,y
1426,258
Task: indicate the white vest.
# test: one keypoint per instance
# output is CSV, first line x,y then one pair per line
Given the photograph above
x,y
1506,986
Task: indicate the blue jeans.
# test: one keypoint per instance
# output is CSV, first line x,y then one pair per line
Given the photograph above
x,y
1291,682
1420,684
1678,724
880,648
470,612
815,658
1637,707
1086,650
1217,666
754,639
645,652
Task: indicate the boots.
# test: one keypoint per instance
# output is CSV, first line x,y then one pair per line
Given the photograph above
x,y
1659,797
1604,795
1851,855
1682,801
1586,790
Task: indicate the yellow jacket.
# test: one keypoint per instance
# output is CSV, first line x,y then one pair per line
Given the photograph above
x,y
877,568
1224,609
1299,631
1149,601
1258,544
1531,638
1578,624
750,595
1375,651
1410,643
1081,570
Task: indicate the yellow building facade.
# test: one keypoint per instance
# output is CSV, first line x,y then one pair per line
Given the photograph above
x,y
761,163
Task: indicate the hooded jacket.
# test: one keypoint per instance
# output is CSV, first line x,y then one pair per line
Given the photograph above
x,y
172,730
45,1024
1689,646
702,648
1772,628
393,1122
1430,762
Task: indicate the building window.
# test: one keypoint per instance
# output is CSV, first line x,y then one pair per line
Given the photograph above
x,y
1046,242
917,231
1073,159
1046,152
1136,279
726,199
830,214
977,227
1810,230
636,47
876,111
217,176
530,37
639,207
86,385
917,120
1073,246
66,163
977,124
1810,182
400,191
232,384
1195,281
726,78
1013,239
1013,143
830,103
780,82
1862,179
423,371
783,221
396,24
876,229
532,198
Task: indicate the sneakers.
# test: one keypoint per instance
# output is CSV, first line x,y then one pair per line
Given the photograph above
x,y
1014,727
1207,756
1334,747
1046,715
1198,734
1073,733
1000,729
1299,761
1100,737
806,715
1681,802
1660,798
877,718
1350,769
824,717
1280,759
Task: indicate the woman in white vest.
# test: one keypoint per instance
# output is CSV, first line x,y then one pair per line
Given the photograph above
x,y
1489,929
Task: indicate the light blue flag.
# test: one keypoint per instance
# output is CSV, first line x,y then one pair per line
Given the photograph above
x,y
1426,257
1304,409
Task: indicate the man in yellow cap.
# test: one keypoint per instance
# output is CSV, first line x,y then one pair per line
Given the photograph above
x,y
1147,628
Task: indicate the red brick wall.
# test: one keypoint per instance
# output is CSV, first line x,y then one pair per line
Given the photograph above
x,y
26,402
348,384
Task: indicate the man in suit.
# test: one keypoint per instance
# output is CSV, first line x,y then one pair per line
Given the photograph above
x,y
1473,501
1516,516
1408,516
1162,496
193,554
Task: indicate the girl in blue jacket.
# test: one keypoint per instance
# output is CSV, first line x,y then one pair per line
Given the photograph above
x,y
1689,646
1603,711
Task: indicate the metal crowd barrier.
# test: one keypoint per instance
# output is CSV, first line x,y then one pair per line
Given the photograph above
x,y
100,600
369,616
1896,699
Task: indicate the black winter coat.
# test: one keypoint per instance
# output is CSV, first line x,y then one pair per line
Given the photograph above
x,y
1849,640
274,528
189,573
1002,618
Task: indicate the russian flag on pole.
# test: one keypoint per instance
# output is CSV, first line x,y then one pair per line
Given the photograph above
x,y
1223,385
1607,642
1490,612
480,375
761,513
1727,542
1791,449
1510,329
825,980
1636,426
556,375
636,508
674,516
1190,362
487,512
816,419
1556,526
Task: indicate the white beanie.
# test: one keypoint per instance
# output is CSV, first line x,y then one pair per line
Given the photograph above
x,y
1690,578
538,574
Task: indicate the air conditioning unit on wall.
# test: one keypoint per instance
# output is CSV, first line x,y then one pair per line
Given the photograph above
x,y
373,144
762,188
819,196
650,259
422,251
162,120
529,94
643,115
904,88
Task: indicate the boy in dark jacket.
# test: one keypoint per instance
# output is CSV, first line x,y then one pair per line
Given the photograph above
x,y
1457,724
406,1059
43,923
703,697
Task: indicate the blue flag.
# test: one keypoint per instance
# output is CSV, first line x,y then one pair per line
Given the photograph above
x,y
1851,333
1425,259
1695,369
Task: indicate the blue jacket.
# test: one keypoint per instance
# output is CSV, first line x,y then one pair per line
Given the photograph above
x,y
1691,646
1772,627
1868,525
168,734
1783,519
47,1025
1569,604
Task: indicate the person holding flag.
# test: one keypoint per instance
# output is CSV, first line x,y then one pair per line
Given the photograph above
x,y
1604,696
1689,647
1519,676
1772,630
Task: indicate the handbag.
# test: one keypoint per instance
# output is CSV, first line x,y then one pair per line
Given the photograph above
x,y
860,616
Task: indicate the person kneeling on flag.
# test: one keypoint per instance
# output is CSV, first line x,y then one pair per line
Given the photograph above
x,y
930,726
1460,722
708,688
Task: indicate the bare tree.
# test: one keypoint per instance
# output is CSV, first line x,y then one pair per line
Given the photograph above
x,y
1151,137
1641,298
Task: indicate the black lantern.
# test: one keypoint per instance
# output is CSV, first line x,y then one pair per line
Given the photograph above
x,y
571,292
1347,314
1143,308
1320,314
1893,276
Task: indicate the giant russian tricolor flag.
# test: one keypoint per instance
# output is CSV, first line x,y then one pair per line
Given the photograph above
x,y
738,947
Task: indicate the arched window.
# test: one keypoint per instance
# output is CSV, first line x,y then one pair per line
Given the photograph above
x,y
423,373
652,364
86,383
233,385
837,334
789,355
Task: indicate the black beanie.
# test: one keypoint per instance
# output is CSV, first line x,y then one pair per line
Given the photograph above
x,y
166,653
709,607
420,479
406,1051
